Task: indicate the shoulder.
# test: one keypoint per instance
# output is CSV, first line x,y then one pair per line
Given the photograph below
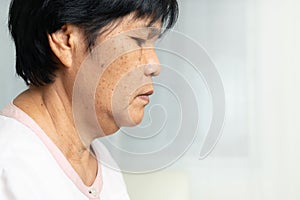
x,y
20,148
27,168
16,138
14,135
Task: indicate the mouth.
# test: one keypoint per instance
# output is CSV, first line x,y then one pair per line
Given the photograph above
x,y
145,96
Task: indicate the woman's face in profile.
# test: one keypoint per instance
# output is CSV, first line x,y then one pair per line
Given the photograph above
x,y
125,84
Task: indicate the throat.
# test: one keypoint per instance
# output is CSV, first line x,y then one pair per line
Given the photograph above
x,y
81,158
86,168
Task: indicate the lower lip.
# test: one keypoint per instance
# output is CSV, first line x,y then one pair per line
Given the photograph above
x,y
145,98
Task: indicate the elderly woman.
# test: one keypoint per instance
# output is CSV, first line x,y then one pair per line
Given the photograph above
x,y
42,154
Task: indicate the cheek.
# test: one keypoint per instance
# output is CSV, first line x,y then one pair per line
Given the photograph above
x,y
105,91
116,91
119,78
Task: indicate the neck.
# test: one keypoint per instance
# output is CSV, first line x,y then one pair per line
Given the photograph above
x,y
51,107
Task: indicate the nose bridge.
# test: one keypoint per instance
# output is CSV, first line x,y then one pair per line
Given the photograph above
x,y
151,61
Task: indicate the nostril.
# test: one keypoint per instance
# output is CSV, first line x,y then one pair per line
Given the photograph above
x,y
152,70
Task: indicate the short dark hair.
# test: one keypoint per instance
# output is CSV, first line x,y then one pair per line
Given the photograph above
x,y
31,20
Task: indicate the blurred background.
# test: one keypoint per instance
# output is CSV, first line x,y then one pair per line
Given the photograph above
x,y
255,46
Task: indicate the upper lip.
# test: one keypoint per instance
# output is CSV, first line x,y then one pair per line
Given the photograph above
x,y
143,92
146,93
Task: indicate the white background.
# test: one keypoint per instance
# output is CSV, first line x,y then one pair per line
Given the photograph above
x,y
255,46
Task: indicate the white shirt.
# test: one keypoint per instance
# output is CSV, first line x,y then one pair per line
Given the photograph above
x,y
33,168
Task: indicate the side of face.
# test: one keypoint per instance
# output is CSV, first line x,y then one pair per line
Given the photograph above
x,y
122,90
125,85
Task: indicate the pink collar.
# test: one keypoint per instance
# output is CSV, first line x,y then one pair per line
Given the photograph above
x,y
92,191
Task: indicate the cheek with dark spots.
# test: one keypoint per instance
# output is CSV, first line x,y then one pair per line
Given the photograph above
x,y
140,57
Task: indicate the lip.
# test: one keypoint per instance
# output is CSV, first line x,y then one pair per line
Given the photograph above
x,y
145,96
150,92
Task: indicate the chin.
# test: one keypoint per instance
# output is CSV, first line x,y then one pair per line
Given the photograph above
x,y
133,118
137,116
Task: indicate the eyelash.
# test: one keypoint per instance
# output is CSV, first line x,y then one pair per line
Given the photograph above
x,y
139,41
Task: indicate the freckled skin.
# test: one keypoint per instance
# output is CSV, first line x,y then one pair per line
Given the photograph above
x,y
116,103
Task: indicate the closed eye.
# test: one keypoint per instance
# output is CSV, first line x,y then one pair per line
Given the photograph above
x,y
139,41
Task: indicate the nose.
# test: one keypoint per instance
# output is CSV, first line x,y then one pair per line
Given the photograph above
x,y
152,64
